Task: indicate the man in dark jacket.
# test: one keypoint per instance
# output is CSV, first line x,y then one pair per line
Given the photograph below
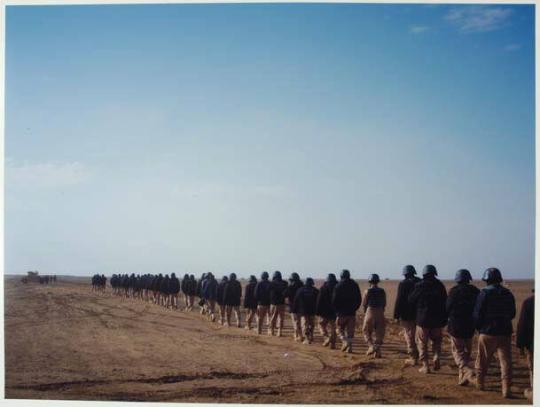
x,y
374,304
164,289
346,300
184,288
326,312
200,283
220,298
294,284
262,295
174,288
231,298
405,312
460,307
493,314
250,303
209,292
305,303
277,302
191,292
429,298
525,338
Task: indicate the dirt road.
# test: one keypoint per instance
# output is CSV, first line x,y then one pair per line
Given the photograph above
x,y
65,342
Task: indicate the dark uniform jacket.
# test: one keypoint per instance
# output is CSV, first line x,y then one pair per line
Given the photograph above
x,y
375,298
249,296
277,291
403,309
233,293
191,286
290,293
164,286
174,285
429,298
325,308
209,289
305,301
221,292
459,307
525,328
346,298
262,292
185,285
494,311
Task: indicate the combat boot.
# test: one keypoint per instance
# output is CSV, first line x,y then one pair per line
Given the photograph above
x,y
506,389
344,345
528,393
326,341
436,364
411,362
370,350
425,368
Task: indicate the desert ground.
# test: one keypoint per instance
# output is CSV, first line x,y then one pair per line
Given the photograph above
x,y
64,341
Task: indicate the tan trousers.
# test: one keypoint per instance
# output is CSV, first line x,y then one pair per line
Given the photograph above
x,y
308,324
374,323
228,310
423,336
327,328
409,332
262,311
222,313
296,326
251,312
211,309
277,311
191,301
346,325
530,364
461,351
487,346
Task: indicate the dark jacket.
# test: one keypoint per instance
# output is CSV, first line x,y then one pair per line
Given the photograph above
x,y
191,287
277,291
305,300
460,307
249,295
429,298
199,287
185,285
233,293
494,311
290,293
525,328
220,292
209,289
164,286
403,309
262,292
324,301
346,298
375,297
174,285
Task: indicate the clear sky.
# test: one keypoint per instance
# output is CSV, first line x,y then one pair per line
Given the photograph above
x,y
308,138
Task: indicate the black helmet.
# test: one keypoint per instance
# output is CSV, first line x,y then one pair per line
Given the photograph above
x,y
277,275
331,278
264,275
225,278
309,282
294,277
232,276
492,275
374,278
463,276
345,274
429,270
252,279
408,270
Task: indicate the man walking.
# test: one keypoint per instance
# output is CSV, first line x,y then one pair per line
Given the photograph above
x,y
429,298
305,304
250,303
405,312
262,295
294,285
525,339
460,307
277,302
374,303
326,312
493,314
231,299
346,301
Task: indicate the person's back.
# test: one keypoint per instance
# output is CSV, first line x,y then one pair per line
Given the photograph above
x,y
324,306
232,293
249,294
374,303
493,313
403,309
306,300
460,306
262,292
346,298
174,284
278,288
221,291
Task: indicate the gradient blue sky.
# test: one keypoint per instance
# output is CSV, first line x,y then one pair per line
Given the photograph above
x,y
307,137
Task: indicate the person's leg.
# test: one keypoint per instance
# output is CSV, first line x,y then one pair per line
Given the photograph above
x,y
367,329
281,315
486,348
323,324
504,351
273,319
436,338
380,330
332,324
409,332
237,316
350,326
260,318
422,338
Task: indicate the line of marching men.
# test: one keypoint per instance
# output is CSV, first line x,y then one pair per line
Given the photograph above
x,y
423,308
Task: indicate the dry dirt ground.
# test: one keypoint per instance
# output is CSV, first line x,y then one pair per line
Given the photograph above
x,y
65,342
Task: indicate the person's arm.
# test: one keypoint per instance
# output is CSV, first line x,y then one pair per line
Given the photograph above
x,y
384,300
521,336
478,313
399,300
512,306
364,301
415,293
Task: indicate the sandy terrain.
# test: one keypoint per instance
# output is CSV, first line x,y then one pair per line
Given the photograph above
x,y
65,342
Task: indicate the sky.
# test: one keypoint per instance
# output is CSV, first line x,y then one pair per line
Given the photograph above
x,y
293,137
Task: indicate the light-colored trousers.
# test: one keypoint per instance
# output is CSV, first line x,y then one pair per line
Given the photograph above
x,y
308,324
327,327
374,323
461,351
251,312
228,310
423,336
297,327
409,332
487,346
277,311
262,311
346,325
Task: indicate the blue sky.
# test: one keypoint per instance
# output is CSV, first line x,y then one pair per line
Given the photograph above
x,y
307,137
